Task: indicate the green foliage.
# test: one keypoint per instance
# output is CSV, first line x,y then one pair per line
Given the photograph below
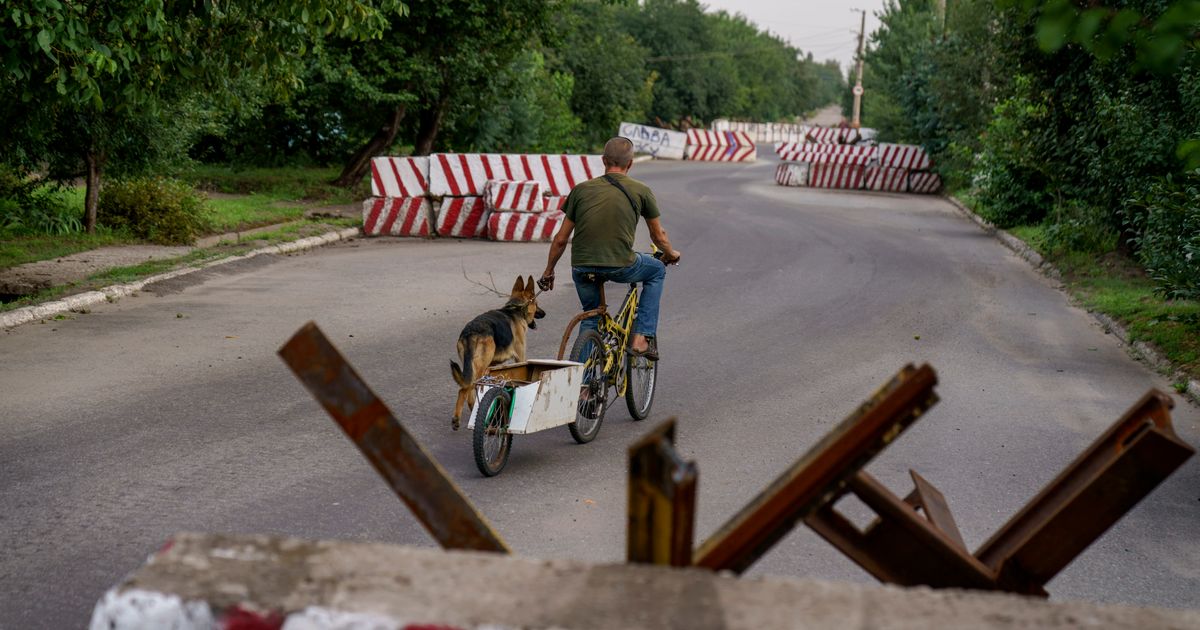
x,y
603,93
92,83
156,209
29,207
1079,229
532,112
44,212
1012,172
1169,234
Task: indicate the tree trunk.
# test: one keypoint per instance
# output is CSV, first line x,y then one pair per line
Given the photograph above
x,y
431,120
95,164
360,162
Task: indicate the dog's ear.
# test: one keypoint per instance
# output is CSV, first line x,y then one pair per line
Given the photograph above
x,y
529,288
518,287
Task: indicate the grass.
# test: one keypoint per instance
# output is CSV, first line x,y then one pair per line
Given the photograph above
x,y
264,196
242,213
18,250
1116,286
278,184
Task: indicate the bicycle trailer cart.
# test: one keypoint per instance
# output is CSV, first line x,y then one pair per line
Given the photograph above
x,y
517,399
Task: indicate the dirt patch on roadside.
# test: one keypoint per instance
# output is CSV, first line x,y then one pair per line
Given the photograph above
x,y
37,276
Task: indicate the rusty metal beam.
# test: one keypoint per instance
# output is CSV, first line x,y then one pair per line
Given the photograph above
x,y
931,501
412,473
899,547
1119,469
821,473
662,501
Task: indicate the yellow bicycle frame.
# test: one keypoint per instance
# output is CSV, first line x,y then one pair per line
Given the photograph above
x,y
621,328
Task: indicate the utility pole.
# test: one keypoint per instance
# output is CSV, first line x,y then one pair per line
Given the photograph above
x,y
858,88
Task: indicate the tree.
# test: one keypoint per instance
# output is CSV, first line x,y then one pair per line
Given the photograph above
x,y
611,83
100,69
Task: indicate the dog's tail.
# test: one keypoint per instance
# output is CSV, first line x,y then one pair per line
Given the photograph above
x,y
462,375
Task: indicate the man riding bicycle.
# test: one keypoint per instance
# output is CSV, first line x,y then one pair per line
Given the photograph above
x,y
603,212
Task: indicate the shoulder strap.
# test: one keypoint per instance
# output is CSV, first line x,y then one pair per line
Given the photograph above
x,y
612,180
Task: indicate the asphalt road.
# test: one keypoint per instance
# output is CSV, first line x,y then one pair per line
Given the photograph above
x,y
170,411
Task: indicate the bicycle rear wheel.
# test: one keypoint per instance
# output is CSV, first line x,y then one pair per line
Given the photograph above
x,y
492,442
642,374
593,394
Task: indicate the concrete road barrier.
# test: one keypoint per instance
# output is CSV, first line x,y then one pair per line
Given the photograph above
x,y
720,146
406,216
909,156
553,204
210,581
523,227
831,175
655,141
400,177
513,196
831,154
792,174
462,217
927,183
886,179
465,174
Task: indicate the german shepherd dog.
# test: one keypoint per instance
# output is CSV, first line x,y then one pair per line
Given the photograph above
x,y
492,338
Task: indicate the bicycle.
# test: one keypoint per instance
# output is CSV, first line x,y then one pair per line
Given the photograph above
x,y
607,364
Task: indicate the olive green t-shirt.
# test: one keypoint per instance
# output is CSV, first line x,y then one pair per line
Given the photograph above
x,y
605,223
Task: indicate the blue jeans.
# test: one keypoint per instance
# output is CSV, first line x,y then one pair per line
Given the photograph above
x,y
647,269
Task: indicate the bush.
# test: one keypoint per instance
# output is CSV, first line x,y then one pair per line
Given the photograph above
x,y
1169,241
157,209
31,207
1079,228
1010,195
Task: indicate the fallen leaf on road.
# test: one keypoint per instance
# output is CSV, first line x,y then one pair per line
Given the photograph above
x,y
231,336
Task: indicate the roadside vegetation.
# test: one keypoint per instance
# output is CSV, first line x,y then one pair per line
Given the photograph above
x,y
1076,128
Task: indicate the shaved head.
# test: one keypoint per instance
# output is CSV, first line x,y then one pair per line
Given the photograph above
x,y
618,152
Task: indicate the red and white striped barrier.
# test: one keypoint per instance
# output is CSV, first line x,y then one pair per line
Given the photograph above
x,y
464,174
523,227
462,217
400,176
831,154
721,154
924,183
553,204
791,174
886,179
708,137
831,135
909,156
408,216
789,147
509,196
720,146
827,175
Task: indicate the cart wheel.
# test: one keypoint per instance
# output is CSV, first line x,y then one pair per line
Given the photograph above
x,y
492,442
642,376
593,395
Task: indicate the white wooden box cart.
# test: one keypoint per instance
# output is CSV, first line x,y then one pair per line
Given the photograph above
x,y
517,399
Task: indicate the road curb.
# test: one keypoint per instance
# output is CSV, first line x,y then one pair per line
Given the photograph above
x,y
1140,349
37,312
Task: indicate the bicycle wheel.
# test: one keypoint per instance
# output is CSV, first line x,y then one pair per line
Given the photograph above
x,y
642,374
593,395
492,442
